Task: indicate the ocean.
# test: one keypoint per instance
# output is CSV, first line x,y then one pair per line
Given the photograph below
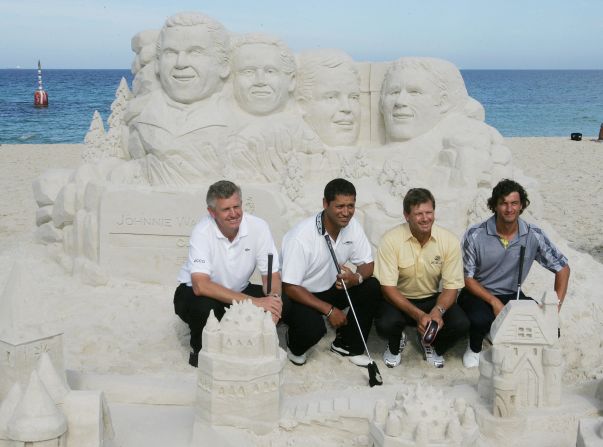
x,y
548,103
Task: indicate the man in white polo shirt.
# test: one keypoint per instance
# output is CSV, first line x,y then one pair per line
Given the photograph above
x,y
311,281
225,248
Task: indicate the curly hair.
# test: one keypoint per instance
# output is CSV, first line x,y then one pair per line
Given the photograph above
x,y
503,189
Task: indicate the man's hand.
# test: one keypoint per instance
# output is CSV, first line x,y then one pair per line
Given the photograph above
x,y
337,318
348,276
497,306
436,315
423,322
272,304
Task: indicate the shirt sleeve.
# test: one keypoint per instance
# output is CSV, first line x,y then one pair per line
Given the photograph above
x,y
548,255
363,253
266,245
452,270
386,262
469,255
199,253
293,262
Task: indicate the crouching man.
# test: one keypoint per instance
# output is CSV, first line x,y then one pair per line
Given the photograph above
x,y
225,248
412,260
491,252
311,281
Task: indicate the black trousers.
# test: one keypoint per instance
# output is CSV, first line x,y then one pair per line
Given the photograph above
x,y
392,321
194,310
307,325
481,315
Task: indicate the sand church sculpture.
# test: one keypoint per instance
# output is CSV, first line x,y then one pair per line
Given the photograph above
x,y
207,104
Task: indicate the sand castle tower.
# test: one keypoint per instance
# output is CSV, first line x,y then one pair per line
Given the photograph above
x,y
37,417
239,374
36,421
22,342
422,416
523,367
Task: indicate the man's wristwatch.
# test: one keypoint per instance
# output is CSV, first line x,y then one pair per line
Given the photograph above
x,y
441,309
360,278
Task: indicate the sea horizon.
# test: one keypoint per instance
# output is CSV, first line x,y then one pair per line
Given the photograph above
x,y
526,102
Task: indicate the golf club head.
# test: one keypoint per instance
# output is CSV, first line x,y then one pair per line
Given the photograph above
x,y
374,375
431,332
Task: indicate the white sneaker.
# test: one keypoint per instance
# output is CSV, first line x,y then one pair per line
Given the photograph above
x,y
358,360
430,355
393,360
470,358
298,360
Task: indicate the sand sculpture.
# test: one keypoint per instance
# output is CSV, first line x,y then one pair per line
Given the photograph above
x,y
423,416
217,105
36,404
522,368
207,104
239,374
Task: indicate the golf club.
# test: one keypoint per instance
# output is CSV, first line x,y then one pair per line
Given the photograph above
x,y
522,253
374,374
269,278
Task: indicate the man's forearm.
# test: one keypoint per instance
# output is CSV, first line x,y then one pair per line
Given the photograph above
x,y
446,299
476,289
562,281
394,296
208,288
366,270
303,296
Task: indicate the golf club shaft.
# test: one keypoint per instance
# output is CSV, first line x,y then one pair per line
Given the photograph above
x,y
522,253
269,278
345,289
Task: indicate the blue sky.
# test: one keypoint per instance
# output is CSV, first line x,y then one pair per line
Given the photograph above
x,y
470,33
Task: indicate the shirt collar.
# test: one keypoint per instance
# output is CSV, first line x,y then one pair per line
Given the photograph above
x,y
524,228
243,229
407,234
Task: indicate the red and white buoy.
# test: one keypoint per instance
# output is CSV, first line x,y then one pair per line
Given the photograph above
x,y
40,95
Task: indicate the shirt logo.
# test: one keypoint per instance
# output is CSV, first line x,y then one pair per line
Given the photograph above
x,y
197,261
437,260
348,243
248,249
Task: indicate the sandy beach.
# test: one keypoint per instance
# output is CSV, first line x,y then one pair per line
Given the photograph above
x,y
127,328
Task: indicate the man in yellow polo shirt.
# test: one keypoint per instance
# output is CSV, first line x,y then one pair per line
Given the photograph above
x,y
412,260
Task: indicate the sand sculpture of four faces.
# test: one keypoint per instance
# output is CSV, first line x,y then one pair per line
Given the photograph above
x,y
196,57
244,106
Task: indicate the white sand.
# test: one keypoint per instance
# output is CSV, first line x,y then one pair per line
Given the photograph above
x,y
125,339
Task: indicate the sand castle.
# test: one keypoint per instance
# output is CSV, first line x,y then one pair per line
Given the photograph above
x,y
247,108
522,368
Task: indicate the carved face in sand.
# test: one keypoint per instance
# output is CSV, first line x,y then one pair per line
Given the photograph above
x,y
411,103
261,85
333,111
189,69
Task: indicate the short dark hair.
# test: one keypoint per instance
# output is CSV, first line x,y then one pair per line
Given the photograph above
x,y
503,189
338,187
222,189
417,196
